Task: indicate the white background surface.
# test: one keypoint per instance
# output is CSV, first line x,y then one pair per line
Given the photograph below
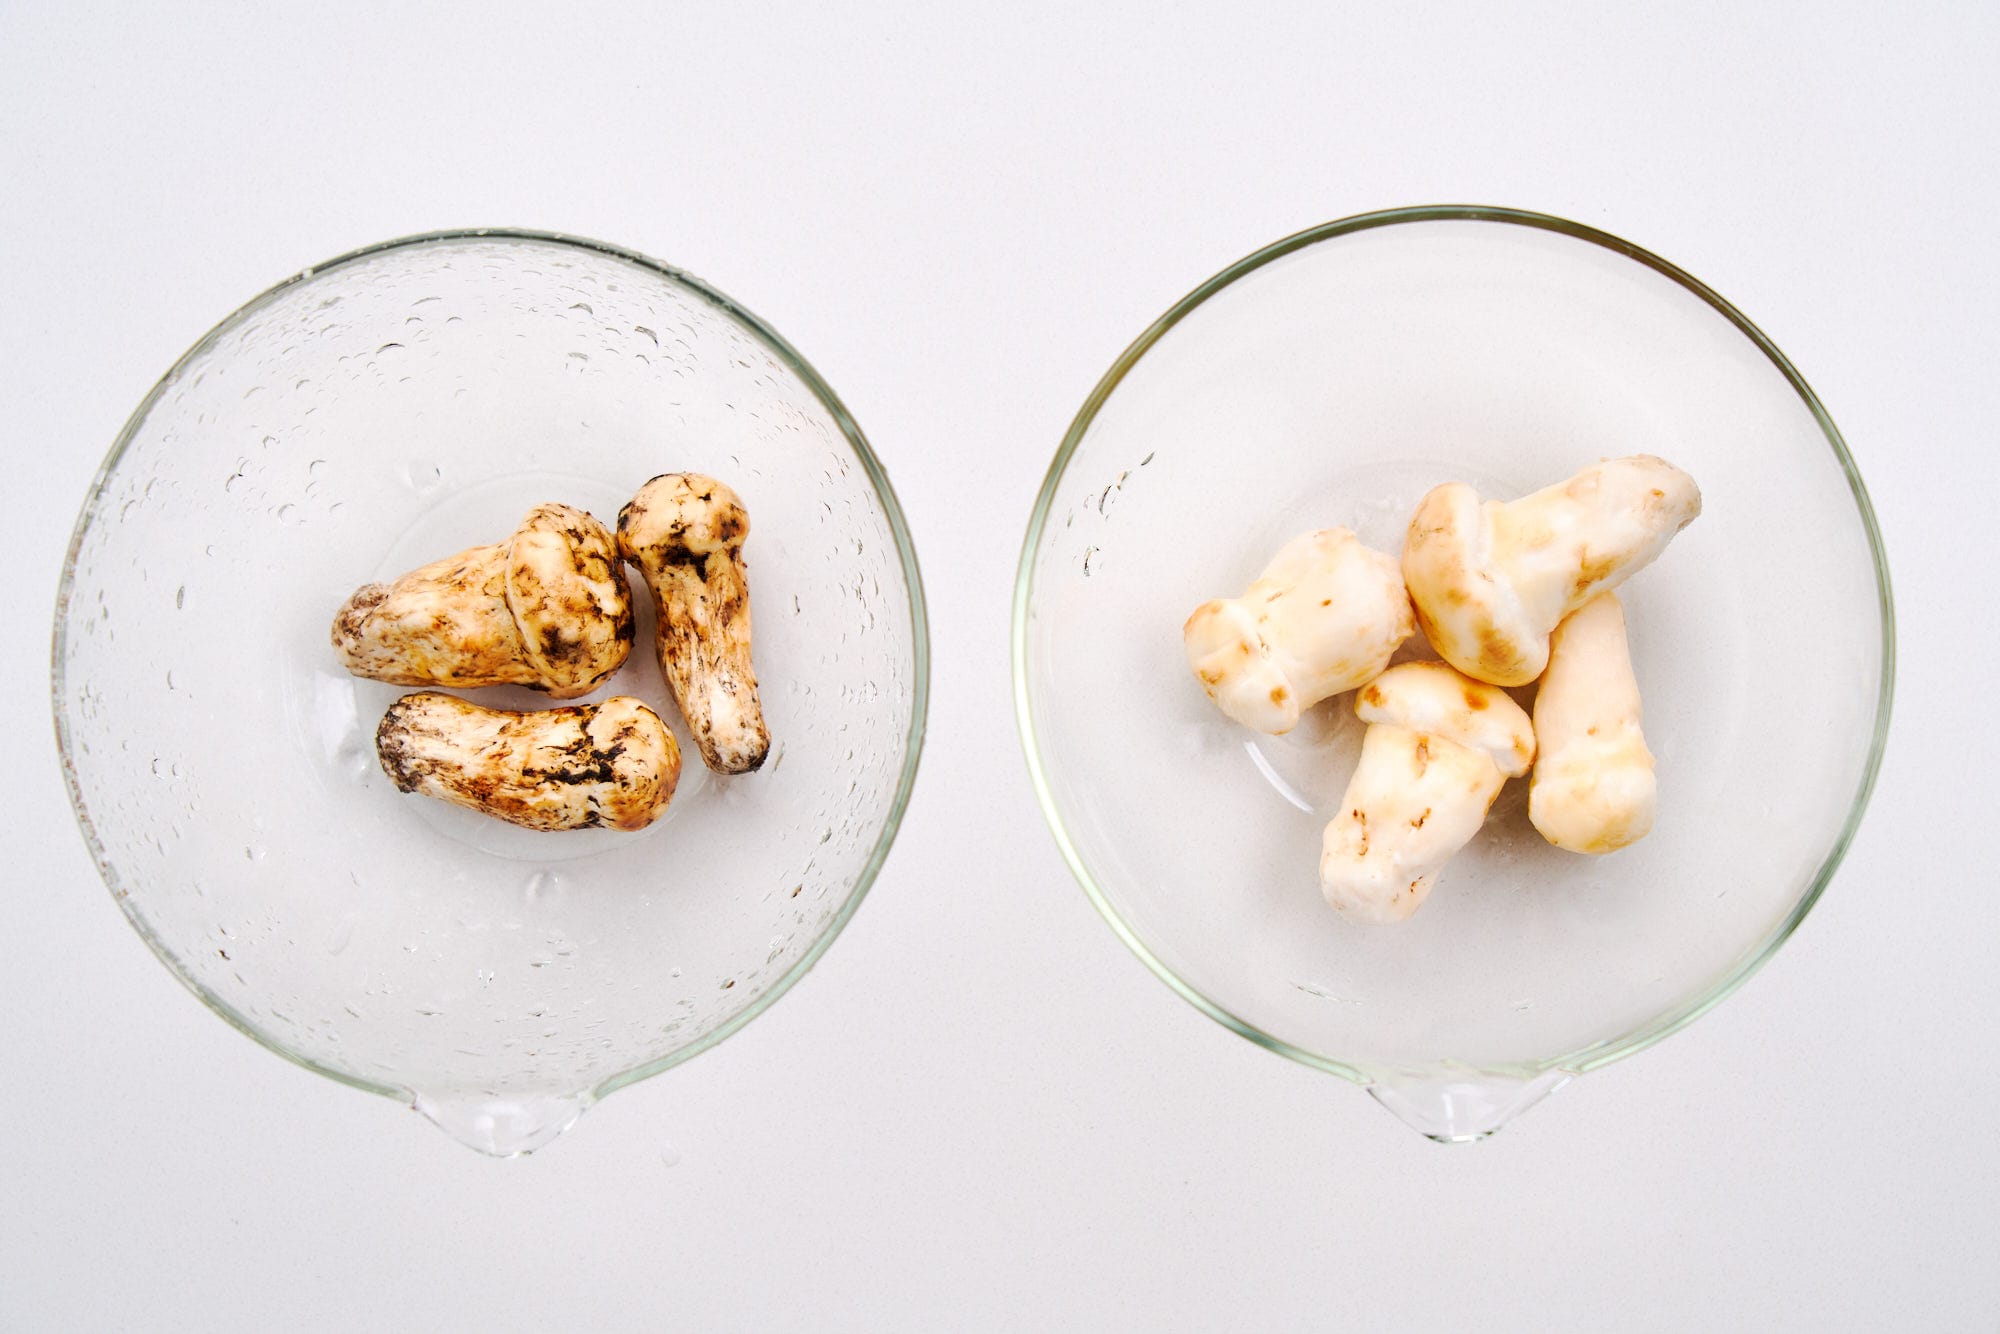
x,y
979,1111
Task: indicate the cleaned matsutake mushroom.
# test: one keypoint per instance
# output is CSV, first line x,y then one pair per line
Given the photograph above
x,y
1439,746
1325,616
548,609
1593,787
613,764
685,533
1491,580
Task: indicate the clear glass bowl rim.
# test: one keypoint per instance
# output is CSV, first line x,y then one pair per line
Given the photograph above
x,y
1671,1021
790,358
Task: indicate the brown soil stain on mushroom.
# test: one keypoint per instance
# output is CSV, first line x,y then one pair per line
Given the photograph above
x,y
685,533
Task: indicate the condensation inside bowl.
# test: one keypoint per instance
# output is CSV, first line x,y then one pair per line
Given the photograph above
x,y
388,412
1335,385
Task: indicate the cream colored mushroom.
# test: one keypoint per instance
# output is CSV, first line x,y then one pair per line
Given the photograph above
x,y
1439,746
1593,787
1324,616
1490,581
548,609
613,764
685,533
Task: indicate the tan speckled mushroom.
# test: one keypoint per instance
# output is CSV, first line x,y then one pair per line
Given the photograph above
x,y
548,609
613,764
1490,581
1593,789
1324,616
1439,746
685,533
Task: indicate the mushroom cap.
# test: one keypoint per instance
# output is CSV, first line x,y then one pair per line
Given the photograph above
x,y
1233,663
645,763
1435,699
1465,606
682,514
568,596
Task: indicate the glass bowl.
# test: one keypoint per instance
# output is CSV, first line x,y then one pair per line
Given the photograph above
x,y
385,409
1332,378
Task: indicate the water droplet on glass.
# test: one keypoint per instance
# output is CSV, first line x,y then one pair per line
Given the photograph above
x,y
351,756
543,885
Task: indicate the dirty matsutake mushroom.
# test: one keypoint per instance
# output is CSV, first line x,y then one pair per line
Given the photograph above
x,y
1439,747
1323,617
685,532
548,609
1490,580
613,764
1593,789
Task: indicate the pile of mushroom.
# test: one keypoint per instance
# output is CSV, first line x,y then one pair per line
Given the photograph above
x,y
549,609
1507,593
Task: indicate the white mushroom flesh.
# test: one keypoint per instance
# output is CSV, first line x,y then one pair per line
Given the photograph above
x,y
1490,581
1593,789
548,609
1438,749
613,764
1325,616
685,532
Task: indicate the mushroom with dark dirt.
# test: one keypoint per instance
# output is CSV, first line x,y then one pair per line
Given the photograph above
x,y
613,764
548,609
685,532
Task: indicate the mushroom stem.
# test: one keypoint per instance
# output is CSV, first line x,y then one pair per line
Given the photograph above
x,y
1439,747
685,532
613,764
548,609
1594,788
